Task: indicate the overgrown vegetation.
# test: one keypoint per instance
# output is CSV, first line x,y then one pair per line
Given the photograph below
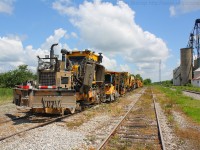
x,y
188,87
188,105
147,81
5,95
11,78
166,83
173,100
14,77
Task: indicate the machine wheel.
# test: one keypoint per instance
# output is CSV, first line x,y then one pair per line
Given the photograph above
x,y
79,107
112,98
98,99
72,110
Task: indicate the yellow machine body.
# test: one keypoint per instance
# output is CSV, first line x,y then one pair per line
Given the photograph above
x,y
63,84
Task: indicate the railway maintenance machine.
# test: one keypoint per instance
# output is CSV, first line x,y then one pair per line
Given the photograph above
x,y
64,85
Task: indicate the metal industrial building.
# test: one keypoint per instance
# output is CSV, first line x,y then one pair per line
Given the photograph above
x,y
176,76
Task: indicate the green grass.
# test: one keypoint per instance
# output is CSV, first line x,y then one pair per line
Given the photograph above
x,y
6,95
188,105
192,88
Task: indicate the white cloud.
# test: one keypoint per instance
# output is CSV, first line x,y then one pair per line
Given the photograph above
x,y
110,64
185,6
6,6
13,53
125,68
74,35
9,48
112,29
58,34
172,10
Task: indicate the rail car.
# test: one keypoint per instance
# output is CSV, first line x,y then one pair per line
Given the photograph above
x,y
72,83
139,83
118,84
112,85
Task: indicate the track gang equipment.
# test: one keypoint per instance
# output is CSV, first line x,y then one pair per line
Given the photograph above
x,y
76,81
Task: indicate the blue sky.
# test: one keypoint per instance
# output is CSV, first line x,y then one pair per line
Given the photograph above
x,y
133,35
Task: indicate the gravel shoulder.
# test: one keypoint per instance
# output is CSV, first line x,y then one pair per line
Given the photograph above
x,y
7,108
171,140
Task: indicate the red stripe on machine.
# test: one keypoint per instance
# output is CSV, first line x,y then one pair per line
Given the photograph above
x,y
24,86
47,87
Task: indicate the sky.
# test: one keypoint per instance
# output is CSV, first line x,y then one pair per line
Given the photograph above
x,y
133,35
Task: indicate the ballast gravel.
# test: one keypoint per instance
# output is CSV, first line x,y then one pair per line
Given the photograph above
x,y
50,137
171,141
7,109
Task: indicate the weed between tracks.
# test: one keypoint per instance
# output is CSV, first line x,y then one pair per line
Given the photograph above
x,y
112,109
173,101
143,110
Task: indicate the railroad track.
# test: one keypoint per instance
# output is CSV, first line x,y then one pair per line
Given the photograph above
x,y
139,128
29,122
13,118
39,122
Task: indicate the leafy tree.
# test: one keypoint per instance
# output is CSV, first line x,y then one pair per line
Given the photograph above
x,y
16,77
138,77
147,81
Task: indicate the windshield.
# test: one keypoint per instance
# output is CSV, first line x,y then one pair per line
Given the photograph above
x,y
108,78
76,59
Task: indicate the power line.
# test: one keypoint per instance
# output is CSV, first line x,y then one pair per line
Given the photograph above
x,y
160,71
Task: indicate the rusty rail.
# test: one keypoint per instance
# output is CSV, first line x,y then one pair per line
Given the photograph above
x,y
118,125
160,135
37,126
158,123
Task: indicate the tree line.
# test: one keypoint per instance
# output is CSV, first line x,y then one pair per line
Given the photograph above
x,y
16,77
22,74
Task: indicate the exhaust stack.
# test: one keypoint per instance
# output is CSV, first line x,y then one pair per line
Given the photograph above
x,y
52,53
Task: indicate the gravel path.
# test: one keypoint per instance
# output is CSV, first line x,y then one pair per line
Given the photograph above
x,y
193,95
183,123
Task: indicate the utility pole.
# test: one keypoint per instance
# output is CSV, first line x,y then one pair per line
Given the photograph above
x,y
160,71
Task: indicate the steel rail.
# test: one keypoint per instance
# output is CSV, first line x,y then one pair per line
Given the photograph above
x,y
40,125
37,126
158,123
16,118
118,124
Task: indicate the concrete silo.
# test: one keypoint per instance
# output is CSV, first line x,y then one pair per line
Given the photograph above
x,y
195,64
186,65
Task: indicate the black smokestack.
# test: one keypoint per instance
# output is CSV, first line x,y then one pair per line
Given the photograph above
x,y
64,52
52,53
